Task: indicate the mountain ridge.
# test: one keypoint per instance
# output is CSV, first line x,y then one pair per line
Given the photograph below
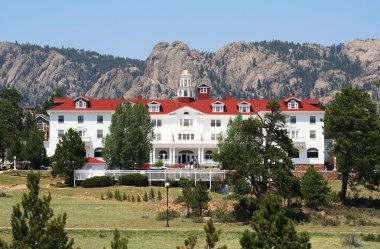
x,y
258,70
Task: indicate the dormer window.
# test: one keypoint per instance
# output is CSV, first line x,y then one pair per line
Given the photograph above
x,y
80,104
217,107
244,107
293,104
154,106
203,90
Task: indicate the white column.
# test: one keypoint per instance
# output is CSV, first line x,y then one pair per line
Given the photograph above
x,y
151,157
154,155
170,155
173,155
199,154
202,155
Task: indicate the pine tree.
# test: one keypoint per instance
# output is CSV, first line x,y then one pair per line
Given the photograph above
x,y
33,225
187,194
69,155
190,243
35,150
353,121
314,188
159,195
212,235
145,197
118,242
151,194
199,197
272,229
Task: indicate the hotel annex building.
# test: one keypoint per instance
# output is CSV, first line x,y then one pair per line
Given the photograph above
x,y
188,127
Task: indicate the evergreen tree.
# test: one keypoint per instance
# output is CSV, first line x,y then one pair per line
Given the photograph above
x,y
69,155
187,194
33,225
29,126
271,228
35,150
212,235
252,149
190,243
199,197
16,149
352,120
11,119
159,195
48,104
314,188
118,242
129,141
151,194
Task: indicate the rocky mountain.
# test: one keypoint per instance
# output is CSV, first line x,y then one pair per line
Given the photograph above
x,y
245,70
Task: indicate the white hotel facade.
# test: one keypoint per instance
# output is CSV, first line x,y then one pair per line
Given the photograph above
x,y
188,127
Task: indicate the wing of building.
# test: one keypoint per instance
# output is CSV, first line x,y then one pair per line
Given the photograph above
x,y
187,128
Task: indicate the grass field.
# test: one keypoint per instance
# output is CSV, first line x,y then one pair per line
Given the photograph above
x,y
91,220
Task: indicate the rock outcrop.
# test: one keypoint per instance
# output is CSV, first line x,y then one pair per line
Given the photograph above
x,y
245,70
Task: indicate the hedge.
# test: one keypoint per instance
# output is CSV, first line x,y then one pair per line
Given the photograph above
x,y
134,180
97,181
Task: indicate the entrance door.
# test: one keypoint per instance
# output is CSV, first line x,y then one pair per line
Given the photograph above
x,y
185,156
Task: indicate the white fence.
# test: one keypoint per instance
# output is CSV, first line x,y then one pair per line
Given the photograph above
x,y
157,175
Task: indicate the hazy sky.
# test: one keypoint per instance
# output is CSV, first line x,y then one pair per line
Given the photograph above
x,y
131,28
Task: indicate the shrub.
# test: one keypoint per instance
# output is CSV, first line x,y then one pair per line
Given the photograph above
x,y
109,195
351,240
134,180
145,197
3,194
133,198
158,164
245,208
172,214
222,216
138,198
151,194
128,198
314,188
97,181
124,197
159,195
117,195
184,182
371,237
101,197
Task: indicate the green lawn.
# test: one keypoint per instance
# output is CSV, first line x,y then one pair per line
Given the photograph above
x,y
91,220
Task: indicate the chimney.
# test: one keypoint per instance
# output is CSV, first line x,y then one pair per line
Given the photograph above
x,y
229,97
140,97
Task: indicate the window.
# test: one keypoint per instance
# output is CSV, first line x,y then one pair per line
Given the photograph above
x,y
244,108
60,133
215,136
186,122
312,119
217,108
203,90
293,134
80,104
216,123
154,108
295,153
293,104
41,125
156,122
312,134
98,152
99,133
312,153
61,119
185,136
163,154
99,119
80,119
208,155
82,133
157,136
293,119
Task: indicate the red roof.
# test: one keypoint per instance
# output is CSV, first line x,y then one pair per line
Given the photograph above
x,y
91,160
204,106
